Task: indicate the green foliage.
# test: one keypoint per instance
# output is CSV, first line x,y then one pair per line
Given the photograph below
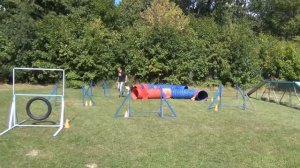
x,y
7,51
280,59
232,51
281,18
17,24
214,50
126,14
96,47
163,54
165,13
176,41
243,55
58,45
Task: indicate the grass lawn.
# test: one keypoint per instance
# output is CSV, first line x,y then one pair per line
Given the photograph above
x,y
268,137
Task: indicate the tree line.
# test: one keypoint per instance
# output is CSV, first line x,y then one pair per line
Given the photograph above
x,y
167,41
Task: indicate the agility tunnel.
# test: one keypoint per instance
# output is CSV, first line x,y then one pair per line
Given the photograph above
x,y
139,92
152,91
188,94
158,86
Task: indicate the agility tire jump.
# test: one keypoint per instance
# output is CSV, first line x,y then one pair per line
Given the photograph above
x,y
42,117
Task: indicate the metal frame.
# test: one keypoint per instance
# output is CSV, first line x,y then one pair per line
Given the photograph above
x,y
105,89
270,87
88,92
219,96
160,112
13,119
282,92
54,92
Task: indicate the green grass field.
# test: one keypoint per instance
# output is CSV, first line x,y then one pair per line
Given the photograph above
x,y
268,137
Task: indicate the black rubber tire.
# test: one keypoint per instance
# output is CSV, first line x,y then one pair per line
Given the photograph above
x,y
39,118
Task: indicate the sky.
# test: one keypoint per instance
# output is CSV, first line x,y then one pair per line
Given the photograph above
x,y
117,2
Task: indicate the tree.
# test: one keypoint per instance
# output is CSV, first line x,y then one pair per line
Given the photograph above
x,y
280,59
166,14
174,41
163,54
126,14
197,7
243,56
17,23
214,49
281,18
7,51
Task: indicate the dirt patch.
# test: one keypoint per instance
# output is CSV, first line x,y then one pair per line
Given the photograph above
x,y
33,153
92,165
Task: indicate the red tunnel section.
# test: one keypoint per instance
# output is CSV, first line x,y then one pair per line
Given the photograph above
x,y
141,91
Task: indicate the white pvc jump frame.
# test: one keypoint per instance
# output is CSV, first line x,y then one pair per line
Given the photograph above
x,y
13,121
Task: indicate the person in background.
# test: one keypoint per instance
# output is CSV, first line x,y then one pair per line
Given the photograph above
x,y
122,79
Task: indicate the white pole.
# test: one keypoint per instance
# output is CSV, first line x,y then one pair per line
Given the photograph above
x,y
14,111
42,95
40,69
10,124
13,81
46,126
62,113
5,131
63,89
